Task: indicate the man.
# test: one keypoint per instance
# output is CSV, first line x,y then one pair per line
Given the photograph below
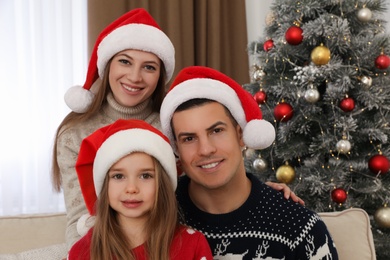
x,y
209,119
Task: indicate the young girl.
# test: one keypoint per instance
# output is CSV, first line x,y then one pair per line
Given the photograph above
x,y
133,59
128,171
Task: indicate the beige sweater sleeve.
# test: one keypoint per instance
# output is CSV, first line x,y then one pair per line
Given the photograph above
x,y
68,149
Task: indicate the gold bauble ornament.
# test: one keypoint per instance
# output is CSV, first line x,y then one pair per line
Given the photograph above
x,y
382,217
285,174
320,55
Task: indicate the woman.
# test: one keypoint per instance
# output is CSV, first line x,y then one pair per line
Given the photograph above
x,y
134,59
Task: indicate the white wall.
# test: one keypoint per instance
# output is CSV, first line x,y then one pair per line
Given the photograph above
x,y
256,11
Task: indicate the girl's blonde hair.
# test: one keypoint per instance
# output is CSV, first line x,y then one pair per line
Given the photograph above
x,y
99,101
109,240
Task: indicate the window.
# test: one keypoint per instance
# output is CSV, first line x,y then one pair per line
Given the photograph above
x,y
43,52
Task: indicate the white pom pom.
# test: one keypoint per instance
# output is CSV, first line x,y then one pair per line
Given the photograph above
x,y
190,231
78,99
259,134
84,223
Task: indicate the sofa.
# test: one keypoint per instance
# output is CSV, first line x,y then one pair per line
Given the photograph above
x,y
41,236
33,237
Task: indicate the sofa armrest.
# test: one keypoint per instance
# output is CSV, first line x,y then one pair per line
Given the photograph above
x,y
351,233
27,232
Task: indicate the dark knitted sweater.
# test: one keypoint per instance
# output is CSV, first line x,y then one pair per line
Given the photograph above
x,y
266,226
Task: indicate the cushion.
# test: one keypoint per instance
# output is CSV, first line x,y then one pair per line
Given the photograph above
x,y
351,232
53,252
26,232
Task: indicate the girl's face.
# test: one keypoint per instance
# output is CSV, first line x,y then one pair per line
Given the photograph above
x,y
132,187
134,76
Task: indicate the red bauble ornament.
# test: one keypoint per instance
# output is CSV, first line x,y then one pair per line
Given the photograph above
x,y
347,104
379,164
339,195
382,62
260,97
294,35
268,45
283,112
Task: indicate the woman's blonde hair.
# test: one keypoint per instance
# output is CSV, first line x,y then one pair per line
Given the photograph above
x,y
108,238
98,102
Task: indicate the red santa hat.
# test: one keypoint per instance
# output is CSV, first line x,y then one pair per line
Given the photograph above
x,y
135,30
202,82
107,145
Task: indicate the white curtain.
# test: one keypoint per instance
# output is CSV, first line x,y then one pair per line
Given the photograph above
x,y
43,52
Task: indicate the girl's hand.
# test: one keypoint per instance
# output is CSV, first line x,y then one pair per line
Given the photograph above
x,y
288,193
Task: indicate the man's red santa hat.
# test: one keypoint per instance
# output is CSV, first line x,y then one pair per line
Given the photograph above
x,y
203,82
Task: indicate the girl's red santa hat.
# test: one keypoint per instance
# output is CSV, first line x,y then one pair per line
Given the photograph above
x,y
106,146
135,30
203,82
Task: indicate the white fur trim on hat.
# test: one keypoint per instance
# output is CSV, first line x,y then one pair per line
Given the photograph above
x,y
139,37
84,223
259,135
125,142
199,88
78,99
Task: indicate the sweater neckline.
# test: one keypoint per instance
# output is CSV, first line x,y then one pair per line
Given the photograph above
x,y
193,210
116,111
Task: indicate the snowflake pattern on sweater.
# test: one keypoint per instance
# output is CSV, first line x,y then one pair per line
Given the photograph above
x,y
266,226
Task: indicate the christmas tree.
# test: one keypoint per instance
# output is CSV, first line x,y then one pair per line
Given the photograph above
x,y
321,74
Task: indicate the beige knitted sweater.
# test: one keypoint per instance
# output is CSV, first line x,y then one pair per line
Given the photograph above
x,y
68,148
